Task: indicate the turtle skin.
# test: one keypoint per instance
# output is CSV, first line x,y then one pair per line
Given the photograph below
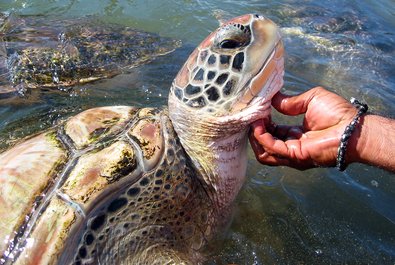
x,y
112,185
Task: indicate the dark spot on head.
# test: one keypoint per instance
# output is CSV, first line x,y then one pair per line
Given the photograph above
x,y
117,204
178,93
238,61
221,79
191,90
202,56
195,69
211,59
156,197
210,75
197,102
224,59
167,186
82,252
144,182
229,87
89,239
199,75
212,94
125,225
98,221
133,191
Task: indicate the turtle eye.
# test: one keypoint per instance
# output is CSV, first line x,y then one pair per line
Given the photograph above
x,y
233,36
229,44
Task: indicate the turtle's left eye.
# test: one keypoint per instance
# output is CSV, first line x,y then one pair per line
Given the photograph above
x,y
232,36
229,44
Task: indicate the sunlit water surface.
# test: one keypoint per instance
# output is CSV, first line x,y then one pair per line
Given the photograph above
x,y
282,216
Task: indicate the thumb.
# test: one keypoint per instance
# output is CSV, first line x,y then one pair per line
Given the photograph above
x,y
294,105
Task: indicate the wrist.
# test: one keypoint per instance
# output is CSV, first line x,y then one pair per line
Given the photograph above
x,y
348,133
373,142
358,140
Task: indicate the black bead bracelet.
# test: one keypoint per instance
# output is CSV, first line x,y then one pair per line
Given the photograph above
x,y
341,151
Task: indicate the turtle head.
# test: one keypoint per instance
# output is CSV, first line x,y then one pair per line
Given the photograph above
x,y
225,85
234,71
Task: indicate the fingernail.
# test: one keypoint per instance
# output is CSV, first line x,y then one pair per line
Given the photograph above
x,y
263,155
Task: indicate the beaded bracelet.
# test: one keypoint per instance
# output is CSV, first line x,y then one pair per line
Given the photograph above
x,y
341,151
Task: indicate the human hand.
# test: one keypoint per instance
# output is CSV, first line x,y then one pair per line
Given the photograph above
x,y
315,142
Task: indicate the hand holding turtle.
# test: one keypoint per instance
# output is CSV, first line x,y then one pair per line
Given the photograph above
x,y
315,142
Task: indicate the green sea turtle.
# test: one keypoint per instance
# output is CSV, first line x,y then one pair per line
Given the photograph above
x,y
42,53
144,186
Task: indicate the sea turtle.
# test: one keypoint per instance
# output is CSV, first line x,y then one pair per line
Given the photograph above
x,y
144,186
42,53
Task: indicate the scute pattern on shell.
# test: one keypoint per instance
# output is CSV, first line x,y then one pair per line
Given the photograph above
x,y
151,220
127,191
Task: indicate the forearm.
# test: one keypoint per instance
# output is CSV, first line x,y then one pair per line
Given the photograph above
x,y
373,142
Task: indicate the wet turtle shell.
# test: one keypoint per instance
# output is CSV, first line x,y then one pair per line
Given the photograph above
x,y
107,175
38,53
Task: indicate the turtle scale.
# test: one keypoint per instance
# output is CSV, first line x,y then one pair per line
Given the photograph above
x,y
137,160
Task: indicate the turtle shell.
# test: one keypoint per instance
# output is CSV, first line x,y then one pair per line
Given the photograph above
x,y
110,184
42,53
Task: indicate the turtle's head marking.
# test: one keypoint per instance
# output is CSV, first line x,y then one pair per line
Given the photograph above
x,y
232,69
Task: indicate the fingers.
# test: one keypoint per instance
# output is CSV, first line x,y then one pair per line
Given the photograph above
x,y
270,150
286,132
274,160
295,105
264,157
267,142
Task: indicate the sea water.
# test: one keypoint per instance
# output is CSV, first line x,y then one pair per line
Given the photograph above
x,y
282,215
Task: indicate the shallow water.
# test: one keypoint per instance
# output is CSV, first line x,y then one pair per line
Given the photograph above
x,y
282,216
